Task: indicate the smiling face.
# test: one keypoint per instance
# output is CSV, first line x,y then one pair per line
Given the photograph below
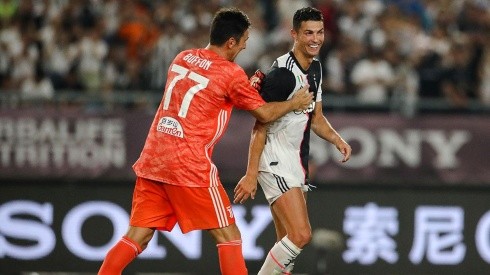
x,y
308,39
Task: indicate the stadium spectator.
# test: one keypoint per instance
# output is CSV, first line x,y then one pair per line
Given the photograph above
x,y
459,79
430,71
404,91
373,77
169,43
60,55
92,53
255,44
37,87
138,30
330,10
24,64
338,66
353,22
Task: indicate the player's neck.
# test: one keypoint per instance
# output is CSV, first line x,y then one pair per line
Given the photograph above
x,y
221,51
304,61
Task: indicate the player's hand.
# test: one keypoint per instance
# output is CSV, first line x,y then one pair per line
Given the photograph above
x,y
345,149
302,98
256,79
246,188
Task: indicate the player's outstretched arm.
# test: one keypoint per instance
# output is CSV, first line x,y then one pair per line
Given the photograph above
x,y
247,186
324,129
274,110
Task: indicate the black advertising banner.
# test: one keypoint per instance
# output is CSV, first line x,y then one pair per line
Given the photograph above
x,y
370,231
387,149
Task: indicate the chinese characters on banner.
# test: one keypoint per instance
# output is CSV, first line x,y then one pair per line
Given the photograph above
x,y
438,235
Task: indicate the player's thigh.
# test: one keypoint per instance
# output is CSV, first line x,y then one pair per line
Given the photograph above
x,y
151,207
279,225
290,208
274,185
200,208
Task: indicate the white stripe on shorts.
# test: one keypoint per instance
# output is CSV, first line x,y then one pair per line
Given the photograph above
x,y
218,206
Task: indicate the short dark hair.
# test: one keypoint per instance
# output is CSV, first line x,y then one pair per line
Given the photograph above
x,y
306,14
227,23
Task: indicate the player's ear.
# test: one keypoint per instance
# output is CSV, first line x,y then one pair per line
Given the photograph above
x,y
293,34
231,42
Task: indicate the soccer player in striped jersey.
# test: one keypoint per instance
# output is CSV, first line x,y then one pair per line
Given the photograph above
x,y
278,153
177,182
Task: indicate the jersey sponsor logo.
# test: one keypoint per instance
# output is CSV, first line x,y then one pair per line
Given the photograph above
x,y
171,126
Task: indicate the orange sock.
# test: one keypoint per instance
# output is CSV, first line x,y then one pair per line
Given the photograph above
x,y
231,258
119,257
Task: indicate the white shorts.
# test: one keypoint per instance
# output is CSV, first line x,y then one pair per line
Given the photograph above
x,y
275,185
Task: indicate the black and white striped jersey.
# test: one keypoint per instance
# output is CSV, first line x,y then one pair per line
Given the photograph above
x,y
287,145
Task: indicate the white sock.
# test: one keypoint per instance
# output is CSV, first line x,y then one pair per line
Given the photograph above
x,y
280,259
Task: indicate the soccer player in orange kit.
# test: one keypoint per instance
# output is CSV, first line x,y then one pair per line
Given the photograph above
x,y
177,181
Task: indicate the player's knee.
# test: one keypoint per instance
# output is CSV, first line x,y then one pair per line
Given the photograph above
x,y
225,234
301,237
306,237
142,236
143,242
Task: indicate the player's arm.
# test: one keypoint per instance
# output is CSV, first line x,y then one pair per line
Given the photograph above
x,y
247,186
322,127
276,88
274,110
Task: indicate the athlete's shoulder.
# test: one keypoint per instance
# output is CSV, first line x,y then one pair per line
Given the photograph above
x,y
231,72
183,53
234,72
279,75
278,84
286,60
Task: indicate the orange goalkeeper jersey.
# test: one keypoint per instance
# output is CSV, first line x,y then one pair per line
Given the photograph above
x,y
202,88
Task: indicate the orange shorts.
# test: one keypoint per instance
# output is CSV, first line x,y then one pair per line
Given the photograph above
x,y
159,205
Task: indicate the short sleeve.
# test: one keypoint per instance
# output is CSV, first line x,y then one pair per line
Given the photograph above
x,y
242,94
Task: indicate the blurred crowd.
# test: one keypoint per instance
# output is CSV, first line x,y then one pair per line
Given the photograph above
x,y
376,51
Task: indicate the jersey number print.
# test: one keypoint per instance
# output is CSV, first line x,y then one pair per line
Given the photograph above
x,y
202,83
